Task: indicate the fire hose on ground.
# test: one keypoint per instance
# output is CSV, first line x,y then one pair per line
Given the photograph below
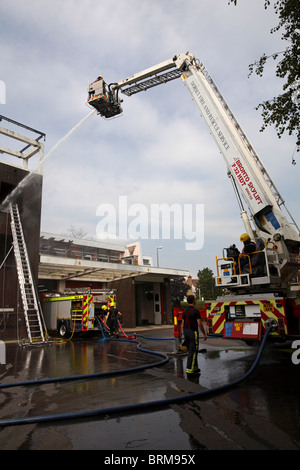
x,y
135,407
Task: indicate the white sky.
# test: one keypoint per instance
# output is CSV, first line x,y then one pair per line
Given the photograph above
x,y
159,150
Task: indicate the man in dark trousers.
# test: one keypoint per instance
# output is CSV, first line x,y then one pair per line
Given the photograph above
x,y
191,321
112,319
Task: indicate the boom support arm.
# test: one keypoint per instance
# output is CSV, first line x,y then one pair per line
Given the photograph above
x,y
153,76
243,164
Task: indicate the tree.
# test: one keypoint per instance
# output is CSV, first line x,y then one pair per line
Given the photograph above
x,y
283,111
179,288
206,284
77,232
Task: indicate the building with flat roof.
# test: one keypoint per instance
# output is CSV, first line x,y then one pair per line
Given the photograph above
x,y
143,291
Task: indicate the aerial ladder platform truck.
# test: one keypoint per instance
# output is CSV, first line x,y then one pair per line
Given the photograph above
x,y
260,294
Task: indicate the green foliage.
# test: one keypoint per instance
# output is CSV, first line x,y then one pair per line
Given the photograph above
x,y
198,304
206,284
178,288
283,111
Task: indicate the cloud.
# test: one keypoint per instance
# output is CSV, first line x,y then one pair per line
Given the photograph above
x,y
159,150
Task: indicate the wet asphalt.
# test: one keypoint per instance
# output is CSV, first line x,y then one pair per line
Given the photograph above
x,y
261,413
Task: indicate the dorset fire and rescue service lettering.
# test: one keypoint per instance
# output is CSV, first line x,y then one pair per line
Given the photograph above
x,y
206,111
224,138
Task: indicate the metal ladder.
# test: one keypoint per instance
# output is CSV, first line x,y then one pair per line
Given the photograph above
x,y
32,312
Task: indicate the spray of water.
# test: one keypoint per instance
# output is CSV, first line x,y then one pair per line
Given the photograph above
x,y
25,181
63,139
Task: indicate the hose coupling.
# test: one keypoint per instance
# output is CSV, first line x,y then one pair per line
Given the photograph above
x,y
271,322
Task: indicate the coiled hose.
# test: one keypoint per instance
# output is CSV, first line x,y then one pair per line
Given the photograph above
x,y
126,408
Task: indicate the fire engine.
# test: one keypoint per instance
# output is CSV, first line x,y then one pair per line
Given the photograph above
x,y
259,294
77,312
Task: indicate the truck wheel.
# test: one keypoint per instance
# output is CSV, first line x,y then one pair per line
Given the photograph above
x,y
63,330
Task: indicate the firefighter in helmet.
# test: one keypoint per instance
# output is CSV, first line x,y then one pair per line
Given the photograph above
x,y
112,319
249,247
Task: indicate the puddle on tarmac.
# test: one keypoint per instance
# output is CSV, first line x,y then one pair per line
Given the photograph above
x,y
271,393
155,430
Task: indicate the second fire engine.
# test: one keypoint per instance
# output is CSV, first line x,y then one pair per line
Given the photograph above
x,y
77,312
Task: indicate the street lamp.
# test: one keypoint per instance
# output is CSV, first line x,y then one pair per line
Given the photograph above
x,y
158,248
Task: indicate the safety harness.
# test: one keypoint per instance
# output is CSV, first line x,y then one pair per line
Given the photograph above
x,y
186,318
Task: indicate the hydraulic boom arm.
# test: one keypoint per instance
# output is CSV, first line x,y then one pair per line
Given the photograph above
x,y
249,176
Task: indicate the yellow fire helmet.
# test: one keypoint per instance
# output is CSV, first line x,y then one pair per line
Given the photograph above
x,y
104,307
244,237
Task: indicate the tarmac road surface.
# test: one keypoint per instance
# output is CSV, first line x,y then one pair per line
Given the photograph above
x,y
262,413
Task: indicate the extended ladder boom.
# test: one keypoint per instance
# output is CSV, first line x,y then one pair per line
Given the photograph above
x,y
253,181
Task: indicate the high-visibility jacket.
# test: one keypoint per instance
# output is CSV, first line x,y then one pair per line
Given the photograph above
x,y
177,319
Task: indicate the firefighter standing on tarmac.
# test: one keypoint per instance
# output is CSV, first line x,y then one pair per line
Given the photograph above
x,y
112,319
191,322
